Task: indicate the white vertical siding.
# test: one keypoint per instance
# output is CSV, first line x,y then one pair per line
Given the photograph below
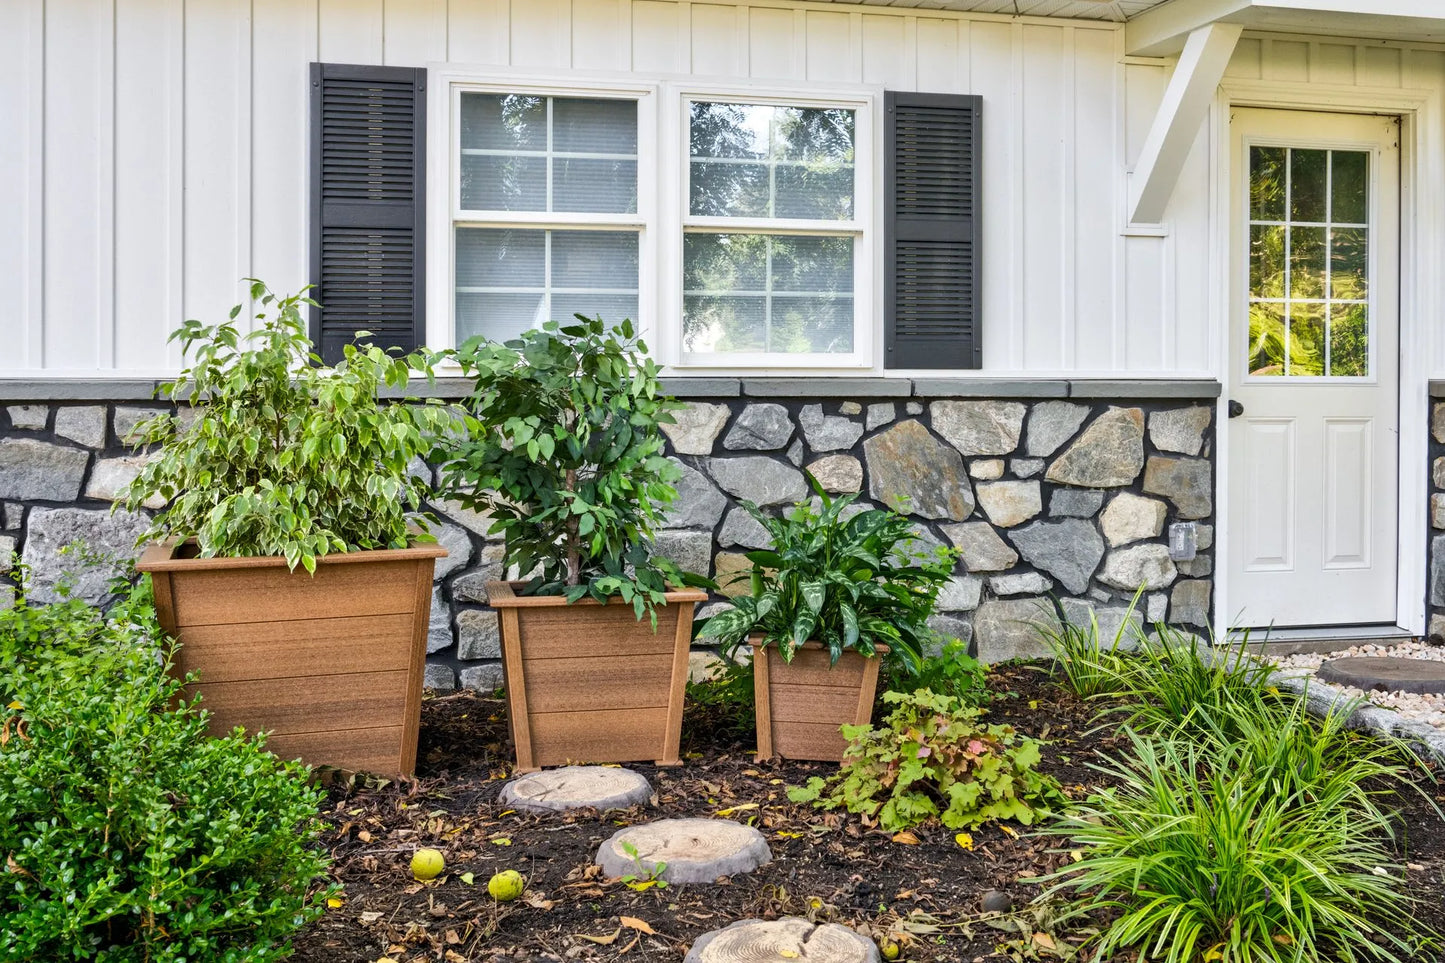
x,y
155,151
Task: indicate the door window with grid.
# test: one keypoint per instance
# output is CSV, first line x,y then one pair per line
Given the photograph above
x,y
1309,263
546,217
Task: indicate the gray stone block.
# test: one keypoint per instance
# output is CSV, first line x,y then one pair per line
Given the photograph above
x,y
110,476
479,636
691,551
696,427
1019,583
1109,454
458,543
760,427
1026,467
960,594
912,472
439,624
838,473
1143,566
84,425
757,479
1130,518
1189,602
127,417
1119,625
1187,482
985,469
33,470
441,678
1051,424
483,678
1069,550
979,427
1075,502
1009,503
28,417
1180,429
699,504
980,547
51,529
882,413
828,432
1007,629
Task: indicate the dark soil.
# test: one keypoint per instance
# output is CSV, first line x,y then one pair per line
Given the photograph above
x,y
926,889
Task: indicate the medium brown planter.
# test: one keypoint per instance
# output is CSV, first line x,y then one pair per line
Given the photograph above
x,y
331,664
801,704
588,682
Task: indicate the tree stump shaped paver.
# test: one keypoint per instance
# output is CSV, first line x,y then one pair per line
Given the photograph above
x,y
694,850
1385,674
577,787
781,941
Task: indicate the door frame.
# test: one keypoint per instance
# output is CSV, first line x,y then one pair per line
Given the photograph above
x,y
1422,223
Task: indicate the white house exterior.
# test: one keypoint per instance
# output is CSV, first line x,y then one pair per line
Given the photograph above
x,y
1166,208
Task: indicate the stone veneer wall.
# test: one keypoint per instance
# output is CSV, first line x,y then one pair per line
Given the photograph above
x,y
1047,498
1435,600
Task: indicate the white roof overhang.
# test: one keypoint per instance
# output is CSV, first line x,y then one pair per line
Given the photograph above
x,y
1161,30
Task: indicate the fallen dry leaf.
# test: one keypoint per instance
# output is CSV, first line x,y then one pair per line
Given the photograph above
x,y
633,923
601,940
906,838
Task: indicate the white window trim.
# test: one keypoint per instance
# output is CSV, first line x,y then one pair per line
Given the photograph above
x,y
663,145
865,102
445,214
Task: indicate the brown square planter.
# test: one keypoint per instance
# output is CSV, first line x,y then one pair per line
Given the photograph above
x,y
331,664
801,704
592,683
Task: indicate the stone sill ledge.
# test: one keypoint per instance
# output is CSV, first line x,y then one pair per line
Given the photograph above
x,y
74,389
1437,389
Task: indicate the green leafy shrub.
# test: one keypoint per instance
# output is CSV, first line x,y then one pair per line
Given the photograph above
x,y
1199,856
721,707
933,758
286,457
848,580
566,453
952,672
126,834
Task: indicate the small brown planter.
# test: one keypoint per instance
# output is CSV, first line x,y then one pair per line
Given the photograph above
x,y
331,664
592,683
801,704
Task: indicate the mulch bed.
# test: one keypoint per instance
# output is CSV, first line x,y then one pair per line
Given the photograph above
x,y
827,866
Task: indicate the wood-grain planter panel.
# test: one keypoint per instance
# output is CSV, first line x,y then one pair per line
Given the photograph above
x,y
802,704
331,664
592,683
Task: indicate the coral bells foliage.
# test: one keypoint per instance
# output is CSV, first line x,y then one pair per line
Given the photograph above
x,y
566,454
286,457
127,835
933,758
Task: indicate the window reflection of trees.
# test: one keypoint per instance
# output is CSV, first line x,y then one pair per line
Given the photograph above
x,y
1308,282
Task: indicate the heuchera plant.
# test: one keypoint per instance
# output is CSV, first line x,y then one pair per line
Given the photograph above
x,y
286,457
567,457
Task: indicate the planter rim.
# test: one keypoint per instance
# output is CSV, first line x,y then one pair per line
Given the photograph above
x,y
502,595
161,557
878,649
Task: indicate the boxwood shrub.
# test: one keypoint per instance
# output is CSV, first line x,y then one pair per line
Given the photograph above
x,y
126,833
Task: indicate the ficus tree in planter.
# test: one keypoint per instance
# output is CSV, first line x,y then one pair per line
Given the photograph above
x,y
566,455
290,465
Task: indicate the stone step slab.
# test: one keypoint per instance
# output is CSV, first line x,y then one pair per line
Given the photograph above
x,y
577,787
779,941
694,850
1385,674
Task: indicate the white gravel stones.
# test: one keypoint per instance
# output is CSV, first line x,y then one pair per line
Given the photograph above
x,y
695,850
577,787
778,941
1411,710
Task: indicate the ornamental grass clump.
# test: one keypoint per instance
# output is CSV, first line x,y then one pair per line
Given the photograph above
x,y
1092,664
566,455
1197,856
286,457
127,835
933,758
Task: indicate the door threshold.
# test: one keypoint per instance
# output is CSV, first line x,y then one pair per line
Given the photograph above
x,y
1317,639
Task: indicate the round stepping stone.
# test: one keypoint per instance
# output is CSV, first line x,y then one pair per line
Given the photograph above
x,y
1385,674
779,941
577,787
695,850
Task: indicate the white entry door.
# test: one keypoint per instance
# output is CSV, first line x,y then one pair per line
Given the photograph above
x,y
1314,364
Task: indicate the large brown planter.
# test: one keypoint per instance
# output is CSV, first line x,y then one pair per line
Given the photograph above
x,y
331,664
801,704
592,683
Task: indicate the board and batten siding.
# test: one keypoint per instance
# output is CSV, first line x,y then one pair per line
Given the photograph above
x,y
154,153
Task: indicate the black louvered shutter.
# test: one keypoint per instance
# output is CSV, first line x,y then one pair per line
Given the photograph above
x,y
931,230
368,199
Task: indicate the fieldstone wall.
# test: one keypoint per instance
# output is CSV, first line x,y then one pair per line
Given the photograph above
x,y
1436,590
1058,506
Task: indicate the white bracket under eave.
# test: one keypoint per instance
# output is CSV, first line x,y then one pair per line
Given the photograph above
x,y
1186,103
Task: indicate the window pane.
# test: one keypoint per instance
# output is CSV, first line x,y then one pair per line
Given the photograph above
x,y
1306,340
499,317
1349,186
594,186
1307,262
1307,185
723,324
508,122
1349,340
1266,183
1349,263
493,258
801,161
1266,339
773,293
512,280
497,183
548,154
1266,261
595,260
